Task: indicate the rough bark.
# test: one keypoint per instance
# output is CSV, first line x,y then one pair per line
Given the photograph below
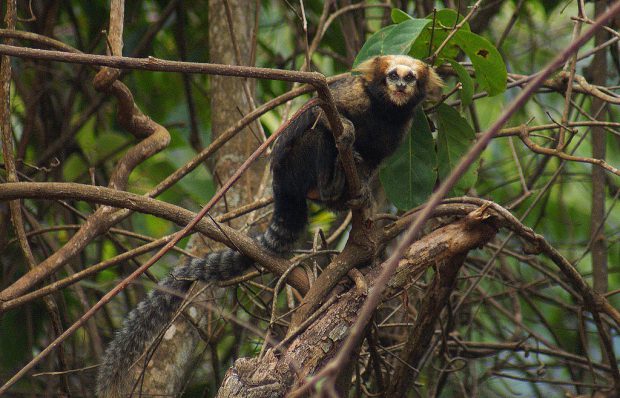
x,y
282,368
598,68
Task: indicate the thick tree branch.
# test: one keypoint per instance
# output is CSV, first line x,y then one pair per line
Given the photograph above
x,y
154,138
178,215
272,375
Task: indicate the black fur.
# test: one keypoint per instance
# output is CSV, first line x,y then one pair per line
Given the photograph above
x,y
305,164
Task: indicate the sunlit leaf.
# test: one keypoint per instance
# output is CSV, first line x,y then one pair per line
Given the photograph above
x,y
393,39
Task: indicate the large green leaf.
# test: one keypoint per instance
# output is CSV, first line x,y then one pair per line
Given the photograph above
x,y
374,45
393,39
402,37
410,174
490,68
454,138
445,21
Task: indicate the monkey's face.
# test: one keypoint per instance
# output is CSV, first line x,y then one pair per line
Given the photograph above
x,y
400,79
400,82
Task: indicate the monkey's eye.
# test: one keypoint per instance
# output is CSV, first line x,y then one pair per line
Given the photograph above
x,y
392,75
409,78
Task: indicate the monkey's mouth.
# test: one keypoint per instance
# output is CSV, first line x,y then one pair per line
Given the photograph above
x,y
400,95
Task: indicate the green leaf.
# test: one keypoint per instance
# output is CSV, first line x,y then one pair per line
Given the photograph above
x,y
73,167
399,16
454,138
402,37
107,144
86,138
449,18
410,174
445,20
374,45
393,39
467,91
490,68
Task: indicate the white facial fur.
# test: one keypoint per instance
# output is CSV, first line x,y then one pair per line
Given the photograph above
x,y
401,83
402,75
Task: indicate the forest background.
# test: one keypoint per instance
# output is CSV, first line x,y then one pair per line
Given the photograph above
x,y
511,287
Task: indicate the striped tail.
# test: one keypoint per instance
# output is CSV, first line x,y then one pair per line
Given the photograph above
x,y
148,319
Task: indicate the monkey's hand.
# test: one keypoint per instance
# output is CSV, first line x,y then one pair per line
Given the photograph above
x,y
347,138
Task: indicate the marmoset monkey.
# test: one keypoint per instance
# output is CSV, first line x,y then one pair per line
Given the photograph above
x,y
379,102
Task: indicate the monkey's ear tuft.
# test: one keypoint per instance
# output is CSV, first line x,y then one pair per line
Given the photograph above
x,y
434,84
367,68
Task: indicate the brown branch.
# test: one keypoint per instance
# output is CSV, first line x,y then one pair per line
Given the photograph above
x,y
162,65
473,349
525,137
123,284
517,130
560,83
561,141
154,138
557,83
93,269
178,215
310,348
595,91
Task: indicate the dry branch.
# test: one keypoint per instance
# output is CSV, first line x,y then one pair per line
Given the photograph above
x,y
273,374
178,215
